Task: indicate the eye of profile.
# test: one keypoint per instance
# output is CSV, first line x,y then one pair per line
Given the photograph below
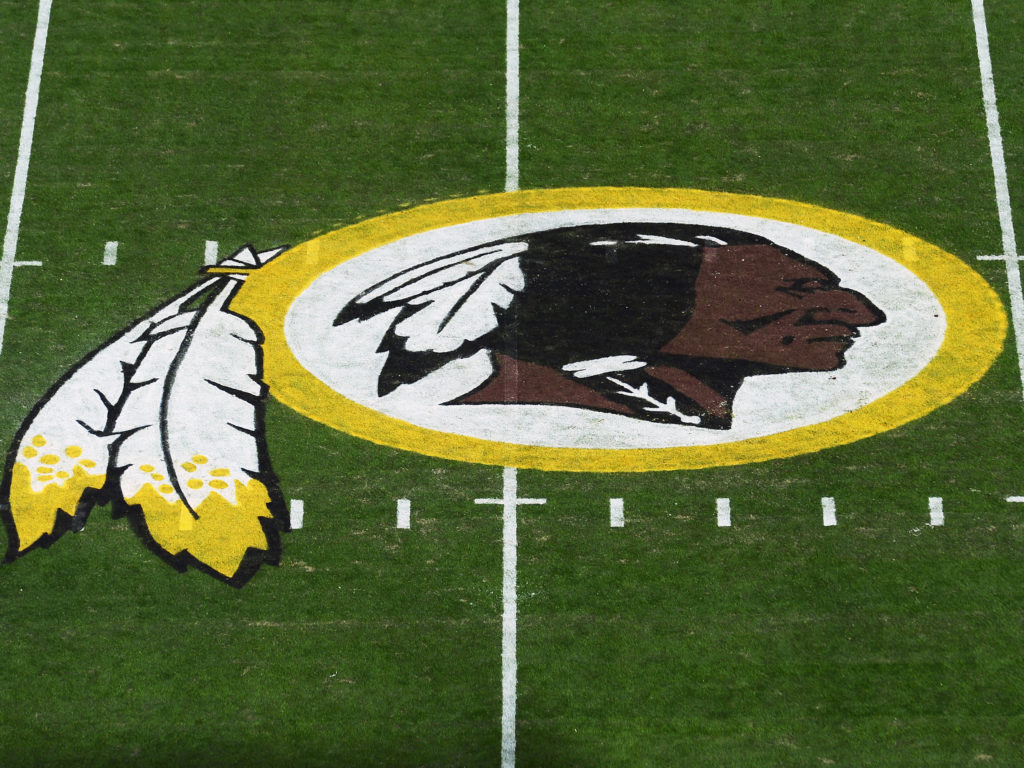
x,y
804,286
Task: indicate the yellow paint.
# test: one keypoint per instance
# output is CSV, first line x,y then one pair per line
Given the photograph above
x,y
220,472
975,316
87,463
73,451
194,483
188,466
219,484
35,512
38,441
200,459
220,533
166,489
45,470
30,452
50,459
146,468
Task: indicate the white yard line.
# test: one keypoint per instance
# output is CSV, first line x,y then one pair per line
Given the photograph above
x,y
936,515
512,96
828,511
296,514
509,502
28,126
995,142
403,514
110,253
724,509
616,513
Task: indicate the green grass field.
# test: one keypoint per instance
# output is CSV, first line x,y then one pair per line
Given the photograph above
x,y
881,641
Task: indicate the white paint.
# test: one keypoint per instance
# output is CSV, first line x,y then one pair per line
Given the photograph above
x,y
28,263
404,514
995,143
509,502
110,253
724,509
1015,499
585,369
617,513
28,126
210,253
935,512
828,511
512,96
346,357
296,514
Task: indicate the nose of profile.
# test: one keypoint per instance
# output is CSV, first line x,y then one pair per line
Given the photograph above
x,y
854,308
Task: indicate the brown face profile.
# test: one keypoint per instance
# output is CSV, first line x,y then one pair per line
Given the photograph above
x,y
759,305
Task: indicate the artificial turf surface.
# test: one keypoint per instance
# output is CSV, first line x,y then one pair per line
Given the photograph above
x,y
777,642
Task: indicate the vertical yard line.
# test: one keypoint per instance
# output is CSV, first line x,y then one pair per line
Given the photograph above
x,y
509,618
512,96
510,533
28,125
995,143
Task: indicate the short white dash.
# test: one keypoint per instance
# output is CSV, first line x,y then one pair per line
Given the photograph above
x,y
617,516
110,253
296,512
404,513
724,513
828,511
210,254
938,517
711,239
28,263
1015,499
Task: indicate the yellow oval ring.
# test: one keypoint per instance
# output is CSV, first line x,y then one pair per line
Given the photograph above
x,y
976,330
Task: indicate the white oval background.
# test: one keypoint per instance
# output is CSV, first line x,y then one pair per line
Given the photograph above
x,y
884,358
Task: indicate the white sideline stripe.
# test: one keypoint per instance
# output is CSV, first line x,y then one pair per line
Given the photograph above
x,y
1015,499
404,513
110,253
995,143
724,510
296,513
510,541
28,127
512,95
828,511
210,253
935,512
617,513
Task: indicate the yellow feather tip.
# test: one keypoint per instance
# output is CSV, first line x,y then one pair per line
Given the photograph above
x,y
220,532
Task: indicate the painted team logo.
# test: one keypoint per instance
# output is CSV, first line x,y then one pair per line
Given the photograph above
x,y
621,329
576,329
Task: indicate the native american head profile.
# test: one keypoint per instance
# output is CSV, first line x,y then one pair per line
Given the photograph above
x,y
656,321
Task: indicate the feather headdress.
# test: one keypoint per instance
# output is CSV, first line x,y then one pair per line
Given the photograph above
x,y
165,421
443,309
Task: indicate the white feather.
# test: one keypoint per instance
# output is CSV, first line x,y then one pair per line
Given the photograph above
x,y
65,446
460,312
190,452
437,274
